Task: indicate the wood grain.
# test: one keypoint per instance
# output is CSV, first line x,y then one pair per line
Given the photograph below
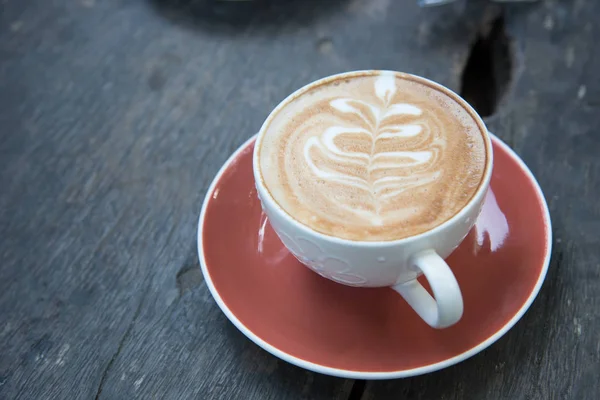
x,y
115,116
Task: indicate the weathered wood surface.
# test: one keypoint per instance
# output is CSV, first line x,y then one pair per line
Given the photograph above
x,y
115,116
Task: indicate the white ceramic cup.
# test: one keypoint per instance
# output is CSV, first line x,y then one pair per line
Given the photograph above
x,y
396,263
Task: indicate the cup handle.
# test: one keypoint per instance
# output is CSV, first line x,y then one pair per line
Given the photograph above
x,y
447,307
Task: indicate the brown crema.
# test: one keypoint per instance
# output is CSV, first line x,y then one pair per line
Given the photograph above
x,y
372,156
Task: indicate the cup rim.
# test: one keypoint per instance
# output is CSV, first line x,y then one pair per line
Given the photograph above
x,y
266,196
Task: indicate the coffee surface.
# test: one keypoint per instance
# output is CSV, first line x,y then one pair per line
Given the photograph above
x,y
374,156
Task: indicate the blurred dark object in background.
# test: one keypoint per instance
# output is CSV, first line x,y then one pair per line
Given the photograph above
x,y
239,14
431,3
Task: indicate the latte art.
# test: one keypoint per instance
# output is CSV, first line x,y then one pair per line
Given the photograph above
x,y
373,157
373,165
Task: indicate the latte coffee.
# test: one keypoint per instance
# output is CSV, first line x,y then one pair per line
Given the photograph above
x,y
372,156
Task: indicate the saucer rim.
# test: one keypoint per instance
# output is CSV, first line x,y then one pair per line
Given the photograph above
x,y
351,374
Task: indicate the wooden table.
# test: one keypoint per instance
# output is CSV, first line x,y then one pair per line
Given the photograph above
x,y
115,115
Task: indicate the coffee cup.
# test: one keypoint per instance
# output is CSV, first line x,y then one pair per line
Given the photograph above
x,y
373,178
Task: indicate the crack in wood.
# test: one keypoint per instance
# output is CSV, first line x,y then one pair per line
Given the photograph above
x,y
126,335
488,72
358,389
136,314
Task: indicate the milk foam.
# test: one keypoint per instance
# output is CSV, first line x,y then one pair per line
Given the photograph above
x,y
372,157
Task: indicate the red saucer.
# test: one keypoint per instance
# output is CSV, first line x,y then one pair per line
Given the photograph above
x,y
362,333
